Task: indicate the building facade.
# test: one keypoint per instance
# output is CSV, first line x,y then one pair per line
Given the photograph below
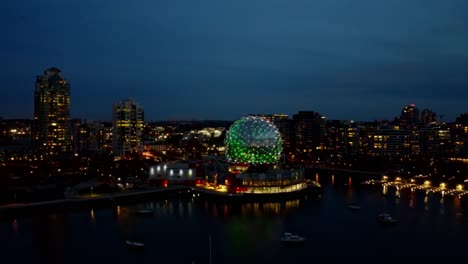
x,y
427,116
310,131
51,128
409,115
127,128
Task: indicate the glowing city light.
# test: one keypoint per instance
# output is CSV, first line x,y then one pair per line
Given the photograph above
x,y
253,140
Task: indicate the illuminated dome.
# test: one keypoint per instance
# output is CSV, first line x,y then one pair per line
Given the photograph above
x,y
253,140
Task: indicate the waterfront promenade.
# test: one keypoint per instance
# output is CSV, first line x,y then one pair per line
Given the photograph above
x,y
92,199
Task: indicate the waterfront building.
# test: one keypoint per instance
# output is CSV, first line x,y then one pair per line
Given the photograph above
x,y
128,123
51,129
390,142
343,137
435,141
335,138
177,172
310,131
351,138
252,164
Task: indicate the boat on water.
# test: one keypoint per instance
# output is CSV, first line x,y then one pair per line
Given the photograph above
x,y
145,211
354,207
289,238
385,218
134,244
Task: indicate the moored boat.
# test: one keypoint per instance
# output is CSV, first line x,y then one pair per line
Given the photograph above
x,y
134,244
385,218
289,238
145,211
354,207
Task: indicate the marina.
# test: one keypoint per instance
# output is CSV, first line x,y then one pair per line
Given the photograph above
x,y
401,185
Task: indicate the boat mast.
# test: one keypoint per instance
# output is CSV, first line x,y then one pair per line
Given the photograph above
x,y
210,248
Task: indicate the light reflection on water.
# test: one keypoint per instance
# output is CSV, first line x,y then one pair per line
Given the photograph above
x,y
92,218
245,232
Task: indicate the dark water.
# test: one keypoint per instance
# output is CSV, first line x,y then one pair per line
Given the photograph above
x,y
430,227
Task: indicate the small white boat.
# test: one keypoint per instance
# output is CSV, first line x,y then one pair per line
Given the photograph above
x,y
386,219
290,238
145,211
134,244
354,207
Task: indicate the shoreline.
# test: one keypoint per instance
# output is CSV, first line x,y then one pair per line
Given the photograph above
x,y
106,199
135,196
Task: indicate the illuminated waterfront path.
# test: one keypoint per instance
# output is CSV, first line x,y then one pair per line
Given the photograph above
x,y
95,198
90,199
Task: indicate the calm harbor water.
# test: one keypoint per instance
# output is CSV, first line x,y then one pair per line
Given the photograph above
x,y
430,227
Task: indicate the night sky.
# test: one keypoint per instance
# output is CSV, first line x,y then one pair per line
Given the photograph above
x,y
221,59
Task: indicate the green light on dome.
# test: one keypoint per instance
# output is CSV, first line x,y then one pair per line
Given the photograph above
x,y
253,140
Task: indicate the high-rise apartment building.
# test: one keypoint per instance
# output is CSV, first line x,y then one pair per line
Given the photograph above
x,y
310,131
409,115
127,127
51,129
88,136
427,116
390,142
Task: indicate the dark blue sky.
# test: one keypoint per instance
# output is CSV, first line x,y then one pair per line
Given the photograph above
x,y
216,59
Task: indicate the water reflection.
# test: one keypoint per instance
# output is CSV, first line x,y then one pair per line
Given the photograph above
x,y
243,231
397,195
426,204
457,203
91,217
247,209
349,195
15,226
411,200
251,236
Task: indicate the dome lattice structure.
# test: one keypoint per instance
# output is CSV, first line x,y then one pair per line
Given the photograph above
x,y
253,140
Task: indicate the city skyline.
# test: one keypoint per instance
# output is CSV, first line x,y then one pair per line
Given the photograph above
x,y
360,60
246,131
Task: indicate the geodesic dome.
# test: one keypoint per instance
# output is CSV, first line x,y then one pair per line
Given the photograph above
x,y
253,140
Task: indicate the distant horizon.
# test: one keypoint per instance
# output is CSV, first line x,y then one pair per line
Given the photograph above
x,y
234,119
396,111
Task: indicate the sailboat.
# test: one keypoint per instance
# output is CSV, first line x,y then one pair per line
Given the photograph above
x,y
211,261
134,244
145,212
